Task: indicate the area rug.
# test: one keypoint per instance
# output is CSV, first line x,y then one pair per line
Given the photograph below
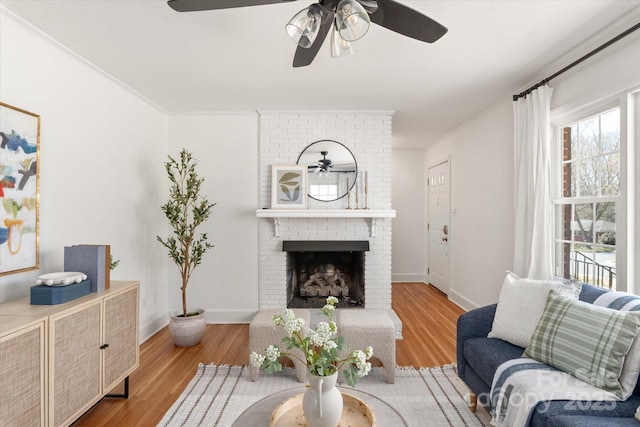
x,y
217,395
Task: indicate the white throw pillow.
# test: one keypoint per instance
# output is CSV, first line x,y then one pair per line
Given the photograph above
x,y
521,304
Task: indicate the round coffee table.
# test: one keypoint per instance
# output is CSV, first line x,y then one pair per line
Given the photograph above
x,y
259,414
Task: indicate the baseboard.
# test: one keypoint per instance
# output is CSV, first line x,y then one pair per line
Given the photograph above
x,y
461,301
151,328
408,278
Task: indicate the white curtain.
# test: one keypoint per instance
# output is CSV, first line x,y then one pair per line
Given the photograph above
x,y
533,250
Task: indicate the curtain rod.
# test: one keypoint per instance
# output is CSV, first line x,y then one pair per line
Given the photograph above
x,y
576,62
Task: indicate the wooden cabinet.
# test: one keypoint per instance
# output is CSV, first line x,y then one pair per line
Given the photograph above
x,y
120,334
74,358
22,371
90,346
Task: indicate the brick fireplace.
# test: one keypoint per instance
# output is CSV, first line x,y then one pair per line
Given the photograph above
x,y
317,269
283,135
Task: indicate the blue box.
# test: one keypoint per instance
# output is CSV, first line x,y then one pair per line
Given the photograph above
x,y
50,295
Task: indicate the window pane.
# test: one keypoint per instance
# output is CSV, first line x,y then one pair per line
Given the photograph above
x,y
610,131
323,191
583,223
582,266
567,261
586,179
590,170
610,174
567,180
606,223
588,137
573,129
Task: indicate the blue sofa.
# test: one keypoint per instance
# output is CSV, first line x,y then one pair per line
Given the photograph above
x,y
478,357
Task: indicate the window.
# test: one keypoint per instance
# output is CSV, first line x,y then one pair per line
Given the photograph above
x,y
586,212
324,191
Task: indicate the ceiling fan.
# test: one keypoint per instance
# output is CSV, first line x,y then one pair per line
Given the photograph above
x,y
349,19
322,165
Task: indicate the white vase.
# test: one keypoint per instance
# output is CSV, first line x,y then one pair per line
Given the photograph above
x,y
322,402
187,331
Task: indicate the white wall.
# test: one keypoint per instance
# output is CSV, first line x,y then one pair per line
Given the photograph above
x,y
409,235
482,167
101,157
226,146
102,179
481,231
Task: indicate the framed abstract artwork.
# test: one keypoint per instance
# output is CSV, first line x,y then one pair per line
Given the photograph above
x,y
288,186
19,190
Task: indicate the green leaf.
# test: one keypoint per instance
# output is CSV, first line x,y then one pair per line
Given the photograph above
x,y
285,191
185,210
289,176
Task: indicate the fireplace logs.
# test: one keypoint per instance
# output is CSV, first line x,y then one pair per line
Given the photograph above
x,y
325,281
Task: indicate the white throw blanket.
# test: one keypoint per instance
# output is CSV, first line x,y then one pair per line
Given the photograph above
x,y
521,384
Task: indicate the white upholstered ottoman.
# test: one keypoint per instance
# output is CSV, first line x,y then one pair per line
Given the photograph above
x,y
362,328
262,333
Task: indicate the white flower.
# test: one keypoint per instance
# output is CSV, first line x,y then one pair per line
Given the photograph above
x,y
333,328
332,300
360,357
364,369
272,353
368,352
330,345
287,319
328,310
321,335
293,325
280,319
256,359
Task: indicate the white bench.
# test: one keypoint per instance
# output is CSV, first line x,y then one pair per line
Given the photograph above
x,y
262,333
362,328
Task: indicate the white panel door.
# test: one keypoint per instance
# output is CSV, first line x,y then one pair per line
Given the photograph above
x,y
438,226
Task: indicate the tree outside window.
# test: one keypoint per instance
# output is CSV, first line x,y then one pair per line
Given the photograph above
x,y
590,192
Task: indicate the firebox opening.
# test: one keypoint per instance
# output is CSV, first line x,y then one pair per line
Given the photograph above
x,y
331,270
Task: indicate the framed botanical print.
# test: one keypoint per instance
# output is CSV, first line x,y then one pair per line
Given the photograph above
x,y
19,190
288,186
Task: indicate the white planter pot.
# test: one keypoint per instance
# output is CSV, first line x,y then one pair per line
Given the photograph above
x,y
187,331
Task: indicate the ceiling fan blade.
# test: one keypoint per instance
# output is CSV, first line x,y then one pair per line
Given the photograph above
x,y
406,21
197,5
305,56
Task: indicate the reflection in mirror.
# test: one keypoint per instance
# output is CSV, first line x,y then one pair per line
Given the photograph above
x,y
332,169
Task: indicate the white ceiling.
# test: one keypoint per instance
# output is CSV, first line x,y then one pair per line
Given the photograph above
x,y
240,59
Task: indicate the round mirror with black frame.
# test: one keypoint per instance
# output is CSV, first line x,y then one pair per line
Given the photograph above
x,y
332,169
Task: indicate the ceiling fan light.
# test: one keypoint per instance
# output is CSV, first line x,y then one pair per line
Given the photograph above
x,y
352,20
304,26
339,46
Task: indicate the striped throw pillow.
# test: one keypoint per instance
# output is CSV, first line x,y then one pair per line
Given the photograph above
x,y
624,301
584,340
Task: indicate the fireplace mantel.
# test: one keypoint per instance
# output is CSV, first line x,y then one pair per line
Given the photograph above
x,y
368,214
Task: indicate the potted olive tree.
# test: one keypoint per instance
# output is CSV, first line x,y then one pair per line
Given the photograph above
x,y
186,209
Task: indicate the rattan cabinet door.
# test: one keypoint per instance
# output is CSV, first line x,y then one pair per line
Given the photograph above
x,y
121,355
22,376
74,360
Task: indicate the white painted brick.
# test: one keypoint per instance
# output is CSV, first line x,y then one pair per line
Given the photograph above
x,y
283,135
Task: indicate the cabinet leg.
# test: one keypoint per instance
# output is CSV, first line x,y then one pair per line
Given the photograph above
x,y
124,395
473,402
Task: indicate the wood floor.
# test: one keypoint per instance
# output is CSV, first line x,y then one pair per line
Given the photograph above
x,y
428,327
